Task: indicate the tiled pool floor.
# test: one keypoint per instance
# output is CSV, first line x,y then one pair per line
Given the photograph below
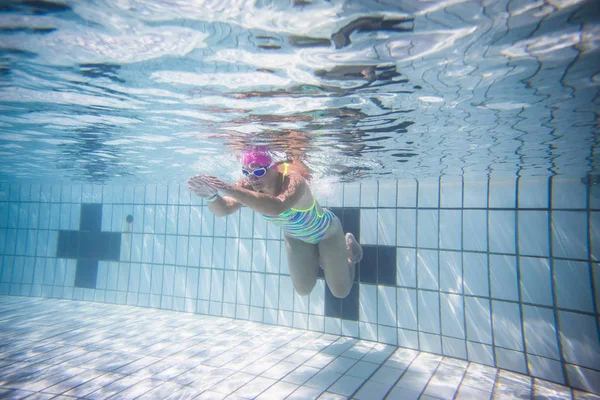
x,y
70,349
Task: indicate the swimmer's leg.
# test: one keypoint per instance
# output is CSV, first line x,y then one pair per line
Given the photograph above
x,y
338,259
303,263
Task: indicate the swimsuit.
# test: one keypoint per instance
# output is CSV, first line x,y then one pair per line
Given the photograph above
x,y
306,225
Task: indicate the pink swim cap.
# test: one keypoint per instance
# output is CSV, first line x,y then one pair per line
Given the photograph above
x,y
258,157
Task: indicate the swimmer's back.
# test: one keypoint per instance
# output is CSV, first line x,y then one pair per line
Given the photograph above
x,y
295,166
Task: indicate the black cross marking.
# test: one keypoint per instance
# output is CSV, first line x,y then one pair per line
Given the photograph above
x,y
89,245
378,267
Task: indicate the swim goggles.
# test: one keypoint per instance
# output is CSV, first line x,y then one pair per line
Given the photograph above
x,y
258,172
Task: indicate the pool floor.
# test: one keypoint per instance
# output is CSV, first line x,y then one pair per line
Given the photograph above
x,y
62,349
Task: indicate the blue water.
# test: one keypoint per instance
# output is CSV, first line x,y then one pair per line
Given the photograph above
x,y
147,91
432,128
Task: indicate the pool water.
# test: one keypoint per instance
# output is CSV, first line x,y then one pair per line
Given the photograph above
x,y
456,140
136,91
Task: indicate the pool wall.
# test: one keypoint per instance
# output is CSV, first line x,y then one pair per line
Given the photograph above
x,y
495,271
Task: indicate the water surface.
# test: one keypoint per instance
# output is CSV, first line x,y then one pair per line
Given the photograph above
x,y
153,91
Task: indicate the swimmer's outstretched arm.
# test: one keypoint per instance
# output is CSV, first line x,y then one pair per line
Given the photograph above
x,y
220,206
224,206
262,202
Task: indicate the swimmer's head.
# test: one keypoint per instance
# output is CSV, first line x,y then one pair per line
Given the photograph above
x,y
256,166
258,157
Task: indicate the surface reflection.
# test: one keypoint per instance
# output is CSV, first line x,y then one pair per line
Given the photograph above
x,y
88,156
359,89
341,38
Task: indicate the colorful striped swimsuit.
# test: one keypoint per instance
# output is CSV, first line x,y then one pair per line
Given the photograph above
x,y
306,225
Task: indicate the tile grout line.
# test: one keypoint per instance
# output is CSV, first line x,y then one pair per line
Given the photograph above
x,y
417,288
462,268
518,274
439,270
489,272
590,266
462,379
4,266
553,288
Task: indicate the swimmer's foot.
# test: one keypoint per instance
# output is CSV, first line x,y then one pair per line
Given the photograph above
x,y
355,252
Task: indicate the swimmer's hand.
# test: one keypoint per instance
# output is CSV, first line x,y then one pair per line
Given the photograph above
x,y
223,188
200,187
209,185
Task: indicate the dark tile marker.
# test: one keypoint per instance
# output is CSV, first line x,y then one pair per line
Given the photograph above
x,y
89,245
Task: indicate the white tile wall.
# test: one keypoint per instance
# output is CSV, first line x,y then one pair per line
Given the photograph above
x,y
452,347
540,331
429,311
272,256
533,227
502,192
259,250
475,192
502,232
317,298
547,369
451,271
579,339
430,343
583,378
478,320
480,353
533,193
335,198
427,229
368,331
387,194
349,328
406,227
286,301
595,235
569,234
450,230
368,303
475,274
352,195
407,193
452,315
536,280
468,304
428,269
386,306
594,197
573,285
407,308
386,227
511,360
450,192
368,226
428,196
408,339
568,193
386,334
260,227
506,321
503,277
474,225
